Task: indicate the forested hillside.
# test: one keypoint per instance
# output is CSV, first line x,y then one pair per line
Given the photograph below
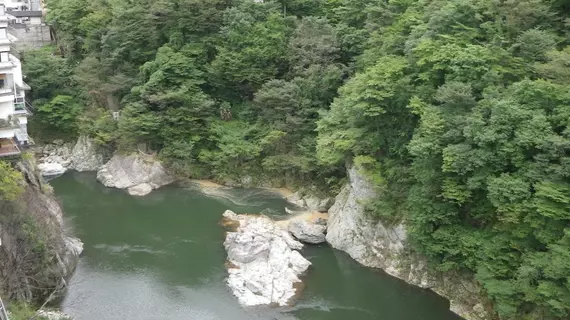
x,y
458,109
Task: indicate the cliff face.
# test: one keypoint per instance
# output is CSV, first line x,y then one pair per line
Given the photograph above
x,y
37,255
83,155
378,245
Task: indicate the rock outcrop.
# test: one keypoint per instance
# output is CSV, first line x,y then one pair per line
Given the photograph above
x,y
58,157
86,155
34,243
264,263
49,169
310,202
308,232
133,172
384,246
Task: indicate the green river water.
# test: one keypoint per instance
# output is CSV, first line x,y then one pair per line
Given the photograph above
x,y
160,257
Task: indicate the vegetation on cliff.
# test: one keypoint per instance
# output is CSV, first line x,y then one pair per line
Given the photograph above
x,y
459,109
33,256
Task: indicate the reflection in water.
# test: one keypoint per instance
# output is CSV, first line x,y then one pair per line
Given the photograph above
x,y
161,257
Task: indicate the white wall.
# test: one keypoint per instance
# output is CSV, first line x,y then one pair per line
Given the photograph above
x,y
14,3
7,133
6,109
17,70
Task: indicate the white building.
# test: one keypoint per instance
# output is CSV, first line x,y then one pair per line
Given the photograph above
x,y
21,4
13,111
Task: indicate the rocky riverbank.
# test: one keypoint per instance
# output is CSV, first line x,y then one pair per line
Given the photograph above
x,y
264,263
37,253
369,242
58,157
384,246
138,174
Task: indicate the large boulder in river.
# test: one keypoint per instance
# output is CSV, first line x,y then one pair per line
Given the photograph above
x,y
376,244
135,173
264,263
307,232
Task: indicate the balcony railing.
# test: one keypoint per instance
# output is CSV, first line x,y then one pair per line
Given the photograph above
x,y
21,108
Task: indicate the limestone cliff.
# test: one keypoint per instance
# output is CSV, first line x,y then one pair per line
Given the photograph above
x,y
37,255
378,245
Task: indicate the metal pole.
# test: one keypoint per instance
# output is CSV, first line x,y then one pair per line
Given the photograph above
x,y
3,313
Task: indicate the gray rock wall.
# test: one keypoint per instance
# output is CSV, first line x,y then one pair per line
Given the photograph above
x,y
26,275
383,246
82,155
31,37
134,173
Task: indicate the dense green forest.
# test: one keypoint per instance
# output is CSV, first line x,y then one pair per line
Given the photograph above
x,y
459,110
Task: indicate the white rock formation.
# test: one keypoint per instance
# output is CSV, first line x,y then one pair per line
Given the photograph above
x,y
51,169
307,232
140,190
264,264
377,245
134,173
83,155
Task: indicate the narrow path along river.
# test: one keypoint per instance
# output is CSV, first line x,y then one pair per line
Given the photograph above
x,y
161,257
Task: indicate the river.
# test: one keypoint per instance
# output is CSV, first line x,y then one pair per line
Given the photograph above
x,y
160,257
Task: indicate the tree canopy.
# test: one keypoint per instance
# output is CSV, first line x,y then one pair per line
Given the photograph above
x,y
459,110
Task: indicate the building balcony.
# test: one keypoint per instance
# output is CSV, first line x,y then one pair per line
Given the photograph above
x,y
24,86
8,147
21,109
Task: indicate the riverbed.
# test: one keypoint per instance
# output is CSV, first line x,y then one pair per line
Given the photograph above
x,y
160,257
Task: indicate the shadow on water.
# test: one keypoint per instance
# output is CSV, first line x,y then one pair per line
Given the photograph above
x,y
161,257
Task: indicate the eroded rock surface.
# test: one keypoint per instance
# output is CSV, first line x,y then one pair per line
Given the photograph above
x,y
264,263
384,246
308,232
310,202
51,169
58,157
86,156
133,172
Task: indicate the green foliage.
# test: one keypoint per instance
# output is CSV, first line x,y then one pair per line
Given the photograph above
x,y
23,311
10,182
61,113
456,110
47,73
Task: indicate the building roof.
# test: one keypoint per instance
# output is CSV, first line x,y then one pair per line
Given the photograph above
x,y
21,14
